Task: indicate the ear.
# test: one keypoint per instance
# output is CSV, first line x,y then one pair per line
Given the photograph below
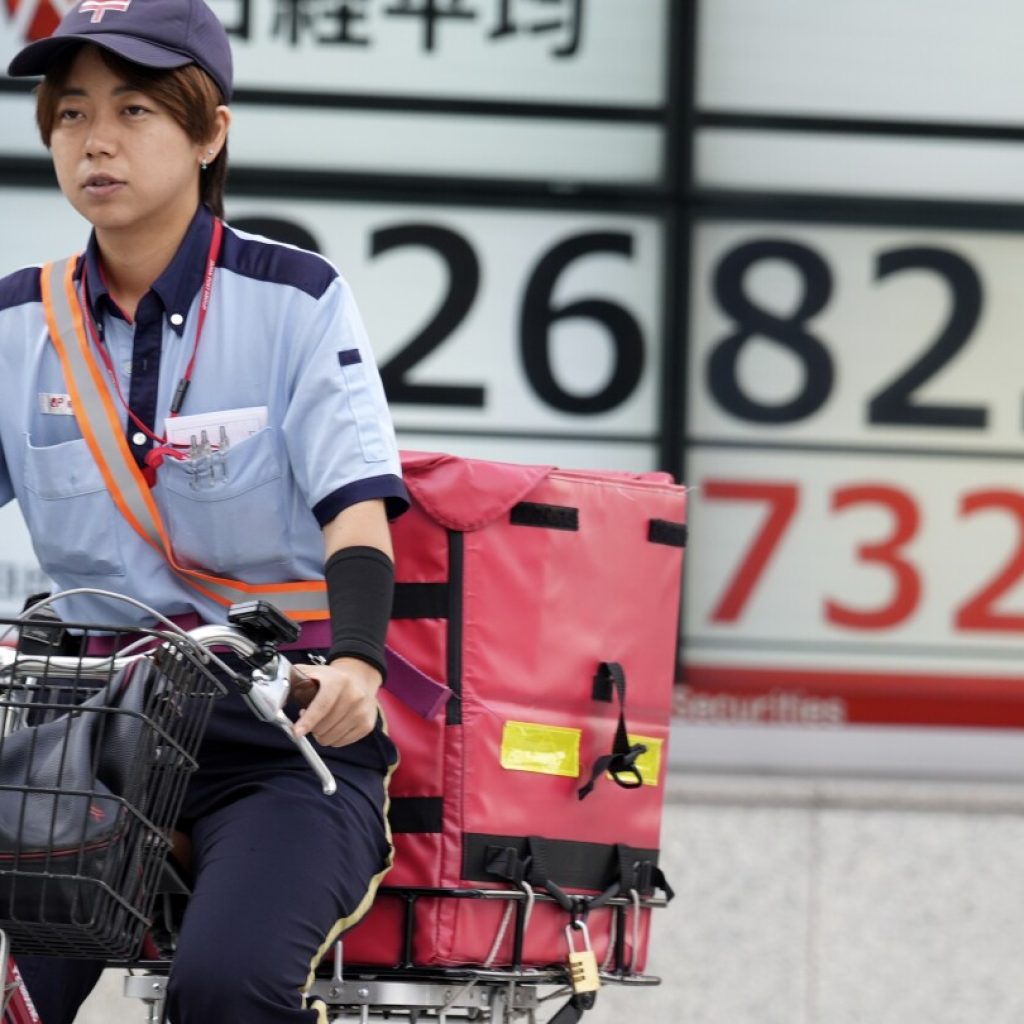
x,y
222,122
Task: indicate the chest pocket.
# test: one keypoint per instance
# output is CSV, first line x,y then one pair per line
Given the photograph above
x,y
69,511
226,513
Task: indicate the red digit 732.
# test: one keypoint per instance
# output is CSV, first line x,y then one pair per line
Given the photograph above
x,y
781,499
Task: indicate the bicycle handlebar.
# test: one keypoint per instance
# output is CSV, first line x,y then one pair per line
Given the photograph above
x,y
267,692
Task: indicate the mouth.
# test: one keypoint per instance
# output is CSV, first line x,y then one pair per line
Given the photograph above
x,y
102,184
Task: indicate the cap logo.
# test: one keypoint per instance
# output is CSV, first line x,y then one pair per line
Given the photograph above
x,y
100,7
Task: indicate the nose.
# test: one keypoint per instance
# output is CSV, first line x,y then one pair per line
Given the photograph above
x,y
101,139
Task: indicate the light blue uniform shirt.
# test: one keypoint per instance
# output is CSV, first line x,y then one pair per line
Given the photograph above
x,y
282,333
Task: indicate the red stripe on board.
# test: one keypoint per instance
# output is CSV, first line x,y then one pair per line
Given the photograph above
x,y
827,697
44,21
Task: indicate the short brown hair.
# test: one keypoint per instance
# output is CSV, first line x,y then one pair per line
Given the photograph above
x,y
188,93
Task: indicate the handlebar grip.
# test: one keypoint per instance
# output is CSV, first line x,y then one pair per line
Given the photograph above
x,y
302,688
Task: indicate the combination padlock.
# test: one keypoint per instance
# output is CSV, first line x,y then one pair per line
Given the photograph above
x,y
583,972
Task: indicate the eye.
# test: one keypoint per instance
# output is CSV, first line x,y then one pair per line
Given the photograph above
x,y
136,110
67,115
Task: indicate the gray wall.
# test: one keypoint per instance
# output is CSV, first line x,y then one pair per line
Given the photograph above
x,y
836,901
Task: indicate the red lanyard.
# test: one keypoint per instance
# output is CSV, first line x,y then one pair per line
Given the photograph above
x,y
183,384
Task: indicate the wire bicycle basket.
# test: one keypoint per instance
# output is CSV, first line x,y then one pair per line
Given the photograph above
x,y
94,759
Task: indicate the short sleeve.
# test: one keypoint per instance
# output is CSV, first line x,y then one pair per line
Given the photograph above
x,y
337,426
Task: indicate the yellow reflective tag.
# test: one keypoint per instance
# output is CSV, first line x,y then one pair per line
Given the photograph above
x,y
548,749
648,764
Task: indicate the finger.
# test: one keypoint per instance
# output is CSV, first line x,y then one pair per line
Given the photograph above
x,y
312,715
337,732
340,737
341,730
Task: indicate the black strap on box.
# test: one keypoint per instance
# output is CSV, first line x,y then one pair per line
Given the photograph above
x,y
535,859
665,531
574,1009
642,876
609,681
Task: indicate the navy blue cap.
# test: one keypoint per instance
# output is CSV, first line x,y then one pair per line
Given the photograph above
x,y
154,33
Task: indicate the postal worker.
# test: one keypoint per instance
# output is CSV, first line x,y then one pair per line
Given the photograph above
x,y
281,482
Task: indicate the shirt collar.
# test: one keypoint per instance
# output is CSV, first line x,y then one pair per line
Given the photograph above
x,y
177,286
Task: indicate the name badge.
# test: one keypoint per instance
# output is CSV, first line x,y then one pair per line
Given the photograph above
x,y
55,404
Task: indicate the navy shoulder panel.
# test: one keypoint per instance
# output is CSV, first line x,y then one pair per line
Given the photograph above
x,y
264,260
20,288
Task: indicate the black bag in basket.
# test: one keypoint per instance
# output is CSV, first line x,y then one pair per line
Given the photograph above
x,y
70,791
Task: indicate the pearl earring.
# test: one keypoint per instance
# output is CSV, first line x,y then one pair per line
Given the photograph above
x,y
204,164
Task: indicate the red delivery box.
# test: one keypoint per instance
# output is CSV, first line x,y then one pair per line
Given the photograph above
x,y
547,601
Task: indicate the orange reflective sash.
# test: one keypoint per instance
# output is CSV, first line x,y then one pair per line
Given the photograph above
x,y
102,429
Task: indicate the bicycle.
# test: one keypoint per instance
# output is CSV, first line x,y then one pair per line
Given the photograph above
x,y
119,898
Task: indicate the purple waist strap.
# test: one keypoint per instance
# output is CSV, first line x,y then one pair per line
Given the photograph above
x,y
421,694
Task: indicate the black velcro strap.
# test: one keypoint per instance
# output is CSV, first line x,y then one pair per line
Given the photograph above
x,y
415,813
636,874
664,531
572,863
574,1009
420,601
621,767
453,661
550,517
659,881
506,863
621,762
604,684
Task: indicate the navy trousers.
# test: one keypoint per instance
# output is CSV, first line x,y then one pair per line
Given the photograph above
x,y
279,871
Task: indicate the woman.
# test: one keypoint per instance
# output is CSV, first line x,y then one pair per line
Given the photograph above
x,y
284,477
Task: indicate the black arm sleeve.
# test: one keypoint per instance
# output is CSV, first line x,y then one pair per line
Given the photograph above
x,y
360,589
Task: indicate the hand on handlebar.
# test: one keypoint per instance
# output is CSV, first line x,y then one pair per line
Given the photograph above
x,y
341,700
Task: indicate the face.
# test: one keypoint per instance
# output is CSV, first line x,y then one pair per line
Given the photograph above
x,y
121,159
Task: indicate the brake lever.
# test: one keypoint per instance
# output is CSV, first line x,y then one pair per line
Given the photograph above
x,y
267,697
